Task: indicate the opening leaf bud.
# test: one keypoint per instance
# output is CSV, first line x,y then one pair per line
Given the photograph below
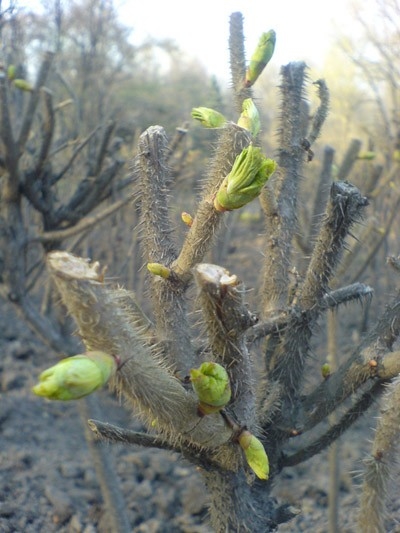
x,y
209,118
75,377
244,182
250,118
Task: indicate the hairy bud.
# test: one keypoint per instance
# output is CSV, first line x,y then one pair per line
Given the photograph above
x,y
255,454
23,85
261,57
211,384
187,218
75,377
159,270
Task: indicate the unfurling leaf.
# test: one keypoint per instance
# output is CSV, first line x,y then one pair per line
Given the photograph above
x,y
250,118
255,454
244,182
261,57
209,118
75,377
211,384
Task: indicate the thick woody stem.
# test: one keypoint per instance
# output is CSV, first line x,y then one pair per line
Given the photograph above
x,y
227,318
167,295
281,224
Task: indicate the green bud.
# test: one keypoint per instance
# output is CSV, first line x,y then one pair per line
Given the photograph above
x,y
244,182
75,377
211,384
23,85
366,156
396,156
250,118
209,118
159,270
261,57
255,454
11,72
187,219
326,370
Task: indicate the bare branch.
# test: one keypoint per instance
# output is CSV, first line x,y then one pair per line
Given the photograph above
x,y
238,60
116,434
344,209
33,101
349,159
11,187
83,225
356,291
47,130
321,113
347,380
358,409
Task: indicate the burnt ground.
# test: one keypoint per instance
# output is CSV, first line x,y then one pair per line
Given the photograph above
x,y
48,482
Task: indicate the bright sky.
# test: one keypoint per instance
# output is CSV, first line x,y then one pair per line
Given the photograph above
x,y
305,28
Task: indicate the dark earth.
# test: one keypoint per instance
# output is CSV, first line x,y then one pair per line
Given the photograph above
x,y
48,482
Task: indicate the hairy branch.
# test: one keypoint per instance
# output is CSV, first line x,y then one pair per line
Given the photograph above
x,y
167,295
226,319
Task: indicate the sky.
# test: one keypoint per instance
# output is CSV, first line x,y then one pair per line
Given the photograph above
x,y
305,28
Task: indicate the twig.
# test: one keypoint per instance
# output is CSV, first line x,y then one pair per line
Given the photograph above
x,y
238,60
116,434
356,291
347,420
33,101
83,225
344,209
321,113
